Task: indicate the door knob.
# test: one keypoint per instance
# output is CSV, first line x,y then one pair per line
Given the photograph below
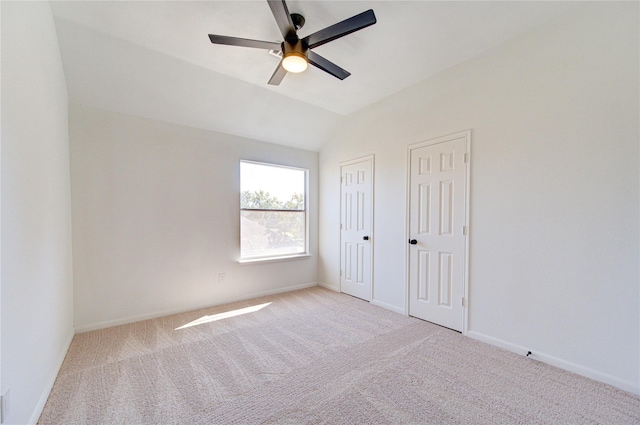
x,y
365,238
413,241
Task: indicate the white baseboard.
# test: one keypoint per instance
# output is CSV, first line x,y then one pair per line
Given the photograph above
x,y
333,288
139,318
374,302
389,307
559,363
37,411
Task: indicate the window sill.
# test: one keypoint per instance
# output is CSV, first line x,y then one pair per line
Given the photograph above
x,y
274,259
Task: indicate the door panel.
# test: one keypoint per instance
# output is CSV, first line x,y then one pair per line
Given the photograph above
x,y
356,228
437,218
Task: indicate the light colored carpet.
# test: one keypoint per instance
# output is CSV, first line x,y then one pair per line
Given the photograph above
x,y
315,357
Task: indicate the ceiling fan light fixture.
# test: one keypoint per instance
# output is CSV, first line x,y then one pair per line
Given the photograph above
x,y
295,53
295,62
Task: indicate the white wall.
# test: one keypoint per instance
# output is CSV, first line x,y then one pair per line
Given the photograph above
x,y
554,236
37,303
156,218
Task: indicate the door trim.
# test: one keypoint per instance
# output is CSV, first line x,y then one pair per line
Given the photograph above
x,y
371,216
467,136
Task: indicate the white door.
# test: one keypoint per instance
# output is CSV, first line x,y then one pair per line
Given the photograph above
x,y
437,230
356,222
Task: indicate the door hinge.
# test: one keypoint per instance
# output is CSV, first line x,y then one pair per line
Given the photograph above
x,y
340,272
464,302
464,230
466,158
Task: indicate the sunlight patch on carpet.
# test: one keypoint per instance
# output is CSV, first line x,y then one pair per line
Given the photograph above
x,y
226,315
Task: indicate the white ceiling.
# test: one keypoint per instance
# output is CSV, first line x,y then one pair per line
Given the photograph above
x,y
154,59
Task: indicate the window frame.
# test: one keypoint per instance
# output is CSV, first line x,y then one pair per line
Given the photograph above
x,y
276,257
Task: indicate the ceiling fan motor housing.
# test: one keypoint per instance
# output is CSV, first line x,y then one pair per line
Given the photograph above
x,y
296,48
294,56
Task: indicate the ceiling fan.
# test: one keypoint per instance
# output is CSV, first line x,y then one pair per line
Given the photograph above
x,y
296,52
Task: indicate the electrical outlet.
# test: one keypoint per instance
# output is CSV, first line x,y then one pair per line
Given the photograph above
x,y
222,277
4,406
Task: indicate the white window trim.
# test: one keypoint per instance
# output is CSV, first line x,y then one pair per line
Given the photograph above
x,y
285,257
274,259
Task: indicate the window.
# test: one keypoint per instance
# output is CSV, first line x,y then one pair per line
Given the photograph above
x,y
273,211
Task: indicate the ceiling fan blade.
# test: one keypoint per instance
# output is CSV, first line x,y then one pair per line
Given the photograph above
x,y
278,75
283,18
327,66
340,29
244,42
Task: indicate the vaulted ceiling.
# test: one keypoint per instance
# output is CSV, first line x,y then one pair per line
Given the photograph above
x,y
154,59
